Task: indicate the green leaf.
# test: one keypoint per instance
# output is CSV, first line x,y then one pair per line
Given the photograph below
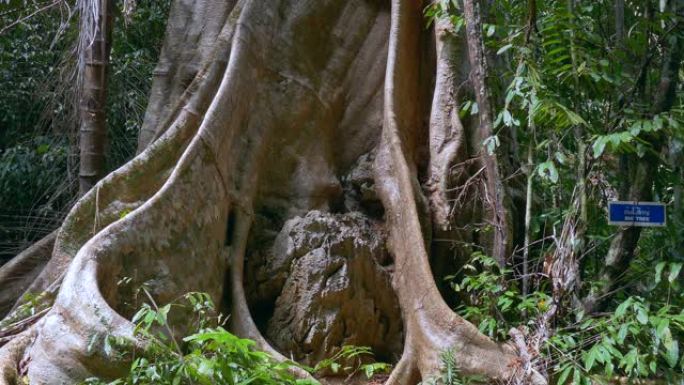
x,y
376,367
659,271
93,341
491,144
629,360
635,128
107,346
509,97
671,348
672,354
576,377
42,149
504,49
622,333
497,122
560,157
622,308
642,315
599,146
663,328
608,369
507,118
564,375
206,368
675,268
589,359
162,314
547,170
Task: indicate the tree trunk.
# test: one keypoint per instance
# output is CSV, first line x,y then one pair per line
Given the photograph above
x,y
260,124
94,48
495,191
17,274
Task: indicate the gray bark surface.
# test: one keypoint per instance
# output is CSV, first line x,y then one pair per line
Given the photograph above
x,y
260,113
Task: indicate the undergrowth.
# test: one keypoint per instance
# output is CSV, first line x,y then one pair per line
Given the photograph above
x,y
639,340
210,354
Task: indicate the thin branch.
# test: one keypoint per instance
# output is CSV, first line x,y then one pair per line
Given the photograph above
x,y
36,12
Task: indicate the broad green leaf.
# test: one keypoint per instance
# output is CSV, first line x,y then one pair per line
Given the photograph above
x,y
622,308
622,333
589,359
608,369
504,49
671,346
162,314
564,375
675,268
663,328
547,170
629,360
507,118
642,315
599,146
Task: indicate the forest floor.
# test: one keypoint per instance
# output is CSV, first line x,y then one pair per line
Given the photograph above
x,y
357,379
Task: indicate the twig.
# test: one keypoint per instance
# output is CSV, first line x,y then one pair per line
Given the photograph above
x,y
39,10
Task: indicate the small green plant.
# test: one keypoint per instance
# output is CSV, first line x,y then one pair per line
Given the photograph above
x,y
493,303
212,355
351,360
124,212
31,306
449,373
634,342
638,340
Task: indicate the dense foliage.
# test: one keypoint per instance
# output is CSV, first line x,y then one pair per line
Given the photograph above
x,y
34,157
38,110
581,98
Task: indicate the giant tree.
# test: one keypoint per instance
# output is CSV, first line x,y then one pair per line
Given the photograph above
x,y
299,161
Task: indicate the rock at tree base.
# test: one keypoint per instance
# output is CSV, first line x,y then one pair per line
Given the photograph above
x,y
337,289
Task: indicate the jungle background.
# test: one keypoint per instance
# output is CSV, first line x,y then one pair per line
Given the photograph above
x,y
578,108
39,129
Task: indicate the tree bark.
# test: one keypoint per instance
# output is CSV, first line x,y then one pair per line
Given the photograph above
x,y
495,191
246,130
17,274
430,326
93,69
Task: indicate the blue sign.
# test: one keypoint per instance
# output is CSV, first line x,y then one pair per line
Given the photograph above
x,y
643,214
